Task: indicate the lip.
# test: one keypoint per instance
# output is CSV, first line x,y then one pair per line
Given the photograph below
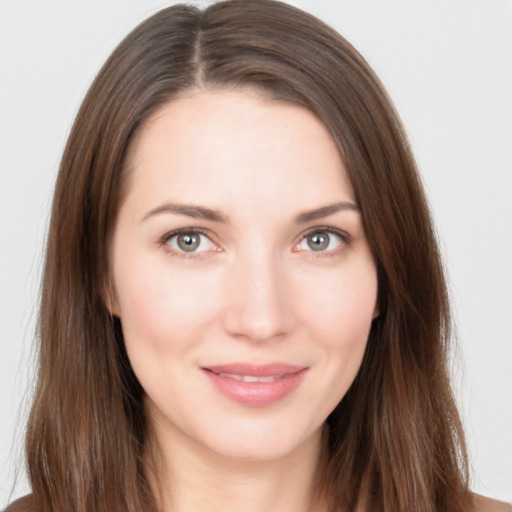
x,y
262,385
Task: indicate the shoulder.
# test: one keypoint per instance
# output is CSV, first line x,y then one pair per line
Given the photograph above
x,y
479,504
25,504
483,504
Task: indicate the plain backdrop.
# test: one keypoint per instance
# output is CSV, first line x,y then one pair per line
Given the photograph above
x,y
447,65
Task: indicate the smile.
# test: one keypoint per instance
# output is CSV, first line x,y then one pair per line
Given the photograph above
x,y
250,378
255,385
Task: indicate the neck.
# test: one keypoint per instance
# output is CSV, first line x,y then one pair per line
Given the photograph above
x,y
193,479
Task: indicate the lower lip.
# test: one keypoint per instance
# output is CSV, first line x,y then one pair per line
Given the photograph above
x,y
256,394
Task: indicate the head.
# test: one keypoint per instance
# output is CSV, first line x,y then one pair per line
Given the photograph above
x,y
278,56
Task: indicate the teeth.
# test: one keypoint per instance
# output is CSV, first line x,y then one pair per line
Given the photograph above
x,y
249,378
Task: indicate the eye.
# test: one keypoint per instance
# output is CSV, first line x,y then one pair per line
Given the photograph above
x,y
189,242
321,240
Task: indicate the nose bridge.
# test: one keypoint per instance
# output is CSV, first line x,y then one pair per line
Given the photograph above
x,y
258,306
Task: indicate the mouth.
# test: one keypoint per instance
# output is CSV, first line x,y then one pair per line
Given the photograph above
x,y
255,385
249,378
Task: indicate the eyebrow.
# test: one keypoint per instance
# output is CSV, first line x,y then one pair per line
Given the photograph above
x,y
196,212
201,212
325,211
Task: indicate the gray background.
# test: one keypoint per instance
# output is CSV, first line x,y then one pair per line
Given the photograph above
x,y
448,66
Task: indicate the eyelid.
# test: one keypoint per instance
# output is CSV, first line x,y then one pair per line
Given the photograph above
x,y
345,237
167,236
164,239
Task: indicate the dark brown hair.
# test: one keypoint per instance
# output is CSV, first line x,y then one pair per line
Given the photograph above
x,y
395,441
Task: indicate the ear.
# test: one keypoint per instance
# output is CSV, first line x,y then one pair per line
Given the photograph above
x,y
109,297
376,311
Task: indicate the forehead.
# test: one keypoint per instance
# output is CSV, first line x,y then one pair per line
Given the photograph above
x,y
228,147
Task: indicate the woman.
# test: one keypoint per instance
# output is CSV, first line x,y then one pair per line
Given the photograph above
x,y
243,303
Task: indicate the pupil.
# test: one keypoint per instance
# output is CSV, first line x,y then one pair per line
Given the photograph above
x,y
188,242
318,242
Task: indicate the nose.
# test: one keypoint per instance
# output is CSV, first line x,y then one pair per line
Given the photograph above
x,y
259,303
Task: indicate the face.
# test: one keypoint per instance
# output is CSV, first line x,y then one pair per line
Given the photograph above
x,y
241,273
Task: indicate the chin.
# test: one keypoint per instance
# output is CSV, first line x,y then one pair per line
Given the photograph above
x,y
261,441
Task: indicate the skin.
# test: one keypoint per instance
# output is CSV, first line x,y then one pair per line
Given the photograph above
x,y
253,291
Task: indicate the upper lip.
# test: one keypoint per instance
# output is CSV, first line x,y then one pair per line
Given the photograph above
x,y
256,370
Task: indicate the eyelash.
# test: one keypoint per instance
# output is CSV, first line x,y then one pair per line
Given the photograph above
x,y
345,237
183,255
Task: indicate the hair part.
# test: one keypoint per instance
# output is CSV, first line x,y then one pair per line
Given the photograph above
x,y
395,441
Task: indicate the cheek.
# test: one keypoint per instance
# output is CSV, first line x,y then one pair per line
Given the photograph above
x,y
342,305
339,316
337,309
162,309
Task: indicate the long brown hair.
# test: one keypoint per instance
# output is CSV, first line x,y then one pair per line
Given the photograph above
x,y
395,441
